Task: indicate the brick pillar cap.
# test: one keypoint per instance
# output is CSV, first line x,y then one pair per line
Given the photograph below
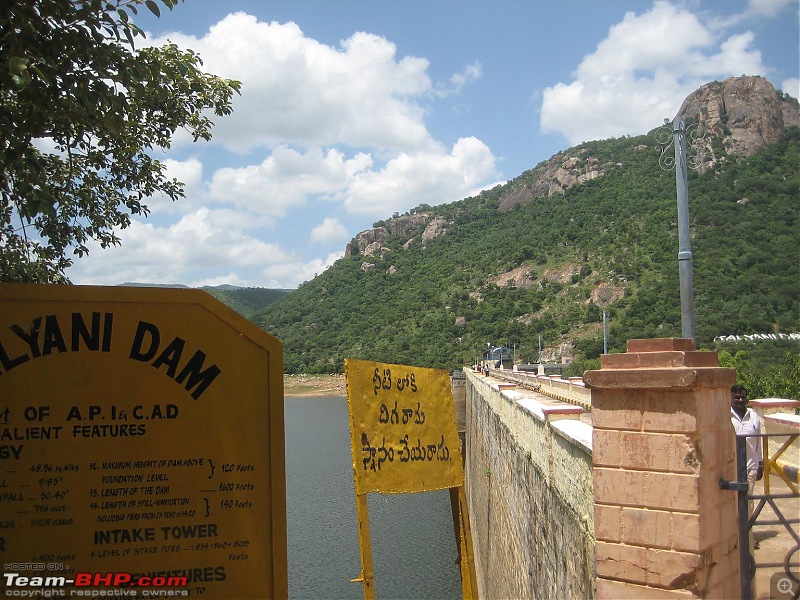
x,y
661,345
675,378
667,363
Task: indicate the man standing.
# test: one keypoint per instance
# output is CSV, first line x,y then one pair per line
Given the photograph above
x,y
747,422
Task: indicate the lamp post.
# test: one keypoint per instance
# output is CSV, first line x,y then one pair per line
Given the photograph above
x,y
604,297
684,242
540,369
680,163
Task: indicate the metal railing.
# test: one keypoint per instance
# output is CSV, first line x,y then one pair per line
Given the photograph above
x,y
747,520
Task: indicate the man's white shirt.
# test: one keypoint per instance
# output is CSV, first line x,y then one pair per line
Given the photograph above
x,y
750,424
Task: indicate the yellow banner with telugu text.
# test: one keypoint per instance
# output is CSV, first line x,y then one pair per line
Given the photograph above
x,y
402,428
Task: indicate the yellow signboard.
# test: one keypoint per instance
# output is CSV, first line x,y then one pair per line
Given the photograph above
x,y
402,427
404,439
141,442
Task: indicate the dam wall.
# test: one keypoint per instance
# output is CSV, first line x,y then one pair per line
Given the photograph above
x,y
618,495
529,472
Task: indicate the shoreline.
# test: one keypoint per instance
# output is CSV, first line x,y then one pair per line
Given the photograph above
x,y
314,385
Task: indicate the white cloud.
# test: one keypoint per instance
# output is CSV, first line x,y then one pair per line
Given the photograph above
x,y
641,72
153,256
315,126
202,240
412,179
458,81
286,179
188,171
214,238
756,9
792,86
299,91
768,8
736,57
292,274
330,230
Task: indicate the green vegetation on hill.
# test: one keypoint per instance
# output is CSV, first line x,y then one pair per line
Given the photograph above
x,y
437,303
775,379
246,301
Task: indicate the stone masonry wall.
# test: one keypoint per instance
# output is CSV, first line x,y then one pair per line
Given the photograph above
x,y
530,500
661,444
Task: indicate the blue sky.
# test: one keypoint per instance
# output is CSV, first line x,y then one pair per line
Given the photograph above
x,y
353,110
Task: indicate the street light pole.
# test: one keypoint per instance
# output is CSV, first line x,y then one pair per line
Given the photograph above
x,y
682,161
684,242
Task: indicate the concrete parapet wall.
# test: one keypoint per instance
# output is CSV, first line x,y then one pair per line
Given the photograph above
x,y
568,389
529,489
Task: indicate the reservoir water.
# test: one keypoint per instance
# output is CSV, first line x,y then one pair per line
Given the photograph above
x,y
413,545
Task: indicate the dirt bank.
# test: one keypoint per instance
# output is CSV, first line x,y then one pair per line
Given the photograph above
x,y
314,385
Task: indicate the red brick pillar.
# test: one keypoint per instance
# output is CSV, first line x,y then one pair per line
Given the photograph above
x,y
662,440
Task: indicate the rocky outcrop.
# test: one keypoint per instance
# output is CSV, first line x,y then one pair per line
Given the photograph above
x,y
434,229
604,294
553,354
519,277
572,170
403,226
369,239
746,112
563,171
370,242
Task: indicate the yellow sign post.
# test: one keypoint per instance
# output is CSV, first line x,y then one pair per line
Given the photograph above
x,y
404,439
141,443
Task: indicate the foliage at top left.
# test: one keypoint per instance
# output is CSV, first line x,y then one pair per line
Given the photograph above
x,y
81,109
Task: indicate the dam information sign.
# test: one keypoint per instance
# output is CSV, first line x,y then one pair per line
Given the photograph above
x,y
404,439
141,445
403,428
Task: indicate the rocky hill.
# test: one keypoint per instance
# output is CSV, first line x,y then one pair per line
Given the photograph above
x,y
745,113
591,229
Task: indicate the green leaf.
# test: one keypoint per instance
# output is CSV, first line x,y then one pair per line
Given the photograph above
x,y
17,65
153,7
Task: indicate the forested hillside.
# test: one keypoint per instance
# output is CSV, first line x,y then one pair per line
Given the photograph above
x,y
517,262
247,301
